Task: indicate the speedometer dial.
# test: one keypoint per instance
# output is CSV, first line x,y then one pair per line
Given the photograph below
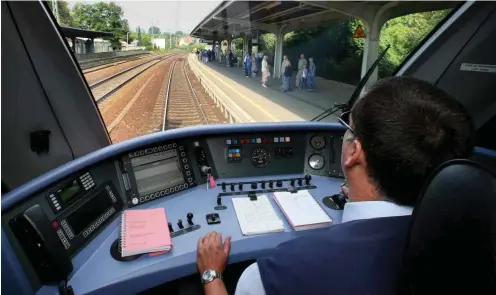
x,y
316,161
260,157
318,142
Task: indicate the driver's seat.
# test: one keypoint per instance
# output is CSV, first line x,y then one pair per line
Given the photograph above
x,y
451,247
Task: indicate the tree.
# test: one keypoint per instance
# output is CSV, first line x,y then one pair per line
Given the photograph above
x,y
65,18
154,31
101,16
179,34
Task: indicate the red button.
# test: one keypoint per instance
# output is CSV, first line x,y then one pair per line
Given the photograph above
x,y
55,224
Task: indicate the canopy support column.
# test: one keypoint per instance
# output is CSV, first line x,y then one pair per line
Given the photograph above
x,y
278,52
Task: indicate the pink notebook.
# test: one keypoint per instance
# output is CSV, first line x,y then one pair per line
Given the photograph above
x,y
145,231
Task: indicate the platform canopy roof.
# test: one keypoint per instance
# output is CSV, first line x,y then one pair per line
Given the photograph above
x,y
236,18
74,33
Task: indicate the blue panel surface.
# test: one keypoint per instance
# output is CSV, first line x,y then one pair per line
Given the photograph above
x,y
96,272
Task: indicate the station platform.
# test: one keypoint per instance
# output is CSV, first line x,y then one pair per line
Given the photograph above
x,y
271,104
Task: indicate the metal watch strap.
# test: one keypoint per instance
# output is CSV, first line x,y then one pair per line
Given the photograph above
x,y
213,276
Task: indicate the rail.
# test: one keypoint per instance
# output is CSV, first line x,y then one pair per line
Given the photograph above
x,y
234,112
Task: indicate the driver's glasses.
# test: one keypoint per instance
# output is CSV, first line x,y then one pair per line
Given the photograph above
x,y
344,119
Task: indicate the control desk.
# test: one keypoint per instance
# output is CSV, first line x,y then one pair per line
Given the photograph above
x,y
68,220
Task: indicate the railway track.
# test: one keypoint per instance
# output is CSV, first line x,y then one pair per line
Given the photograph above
x,y
105,87
113,64
160,99
182,105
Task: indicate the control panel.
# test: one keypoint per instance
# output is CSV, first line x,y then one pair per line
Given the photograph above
x,y
72,211
323,154
70,191
257,154
156,172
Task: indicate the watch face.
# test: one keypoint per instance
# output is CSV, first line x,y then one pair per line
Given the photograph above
x,y
208,275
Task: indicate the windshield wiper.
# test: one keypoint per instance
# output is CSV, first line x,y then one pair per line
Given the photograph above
x,y
347,106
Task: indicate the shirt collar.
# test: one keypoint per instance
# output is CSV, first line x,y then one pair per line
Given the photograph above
x,y
373,209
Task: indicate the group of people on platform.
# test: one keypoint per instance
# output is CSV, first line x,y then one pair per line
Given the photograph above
x,y
205,55
255,63
305,77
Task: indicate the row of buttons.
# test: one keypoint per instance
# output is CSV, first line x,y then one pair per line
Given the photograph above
x,y
68,231
152,150
87,181
111,193
55,202
100,220
162,193
259,140
63,239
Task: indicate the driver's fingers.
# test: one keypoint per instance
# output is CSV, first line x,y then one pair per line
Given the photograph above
x,y
345,189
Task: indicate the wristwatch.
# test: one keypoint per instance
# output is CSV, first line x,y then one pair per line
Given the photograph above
x,y
209,275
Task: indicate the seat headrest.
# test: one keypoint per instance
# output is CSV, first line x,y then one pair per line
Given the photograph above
x,y
451,247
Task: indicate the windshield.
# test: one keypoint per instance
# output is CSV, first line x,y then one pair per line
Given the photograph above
x,y
155,66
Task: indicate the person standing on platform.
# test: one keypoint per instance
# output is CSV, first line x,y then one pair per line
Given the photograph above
x,y
265,71
303,84
284,64
286,79
254,66
302,64
311,75
248,62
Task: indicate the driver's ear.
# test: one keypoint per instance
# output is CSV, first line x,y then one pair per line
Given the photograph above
x,y
354,154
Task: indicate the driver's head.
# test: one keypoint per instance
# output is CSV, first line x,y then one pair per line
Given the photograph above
x,y
400,130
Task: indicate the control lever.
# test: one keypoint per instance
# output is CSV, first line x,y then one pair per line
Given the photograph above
x,y
240,186
271,184
189,216
263,184
292,182
170,227
279,183
223,186
253,185
219,204
300,182
232,187
336,201
180,224
308,177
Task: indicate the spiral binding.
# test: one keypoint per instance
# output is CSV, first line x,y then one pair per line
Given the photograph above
x,y
122,234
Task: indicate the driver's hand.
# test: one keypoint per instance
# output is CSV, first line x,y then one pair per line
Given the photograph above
x,y
212,254
345,189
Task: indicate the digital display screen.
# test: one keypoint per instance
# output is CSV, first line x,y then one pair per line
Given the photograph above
x,y
68,193
89,212
157,172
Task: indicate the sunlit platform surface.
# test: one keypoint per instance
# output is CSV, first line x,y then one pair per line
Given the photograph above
x,y
272,104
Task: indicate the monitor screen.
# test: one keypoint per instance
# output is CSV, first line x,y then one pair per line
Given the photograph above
x,y
89,212
157,172
69,192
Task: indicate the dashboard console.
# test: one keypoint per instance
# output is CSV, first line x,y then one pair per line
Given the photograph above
x,y
59,225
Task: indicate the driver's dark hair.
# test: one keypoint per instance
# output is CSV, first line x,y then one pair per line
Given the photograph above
x,y
408,127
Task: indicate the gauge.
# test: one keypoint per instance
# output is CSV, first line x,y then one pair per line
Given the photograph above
x,y
318,142
260,157
316,161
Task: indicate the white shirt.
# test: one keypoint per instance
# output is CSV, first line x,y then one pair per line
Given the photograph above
x,y
250,282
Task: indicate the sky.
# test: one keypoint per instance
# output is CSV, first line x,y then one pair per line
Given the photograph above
x,y
170,14
174,15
